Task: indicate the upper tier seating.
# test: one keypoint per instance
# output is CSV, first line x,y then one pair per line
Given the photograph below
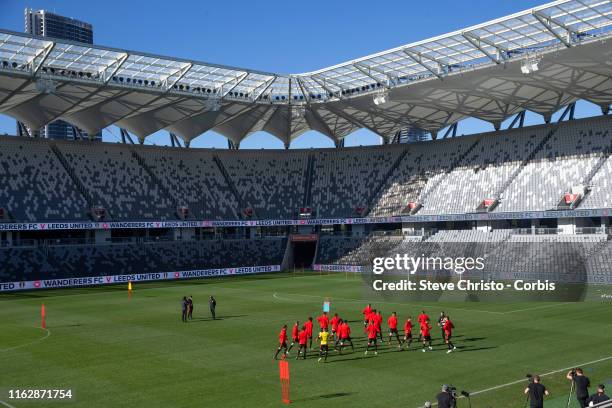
x,y
526,169
116,181
424,165
344,178
272,184
33,184
194,180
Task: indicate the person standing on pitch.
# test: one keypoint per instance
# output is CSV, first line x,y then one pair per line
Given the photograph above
x,y
447,329
303,339
423,318
190,307
212,304
295,332
408,331
282,342
536,392
324,344
392,322
345,336
441,320
308,328
582,385
372,332
184,309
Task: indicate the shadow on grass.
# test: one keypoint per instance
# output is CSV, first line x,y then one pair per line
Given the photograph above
x,y
325,396
210,319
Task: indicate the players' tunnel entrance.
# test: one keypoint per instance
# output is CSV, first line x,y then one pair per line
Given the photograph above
x,y
304,249
303,254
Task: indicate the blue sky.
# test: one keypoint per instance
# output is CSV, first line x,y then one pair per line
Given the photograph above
x,y
271,35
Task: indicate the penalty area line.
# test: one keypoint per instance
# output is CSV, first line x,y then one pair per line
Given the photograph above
x,y
6,404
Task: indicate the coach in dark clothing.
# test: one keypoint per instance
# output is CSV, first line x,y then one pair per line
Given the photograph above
x,y
184,308
582,386
600,396
536,392
445,399
212,304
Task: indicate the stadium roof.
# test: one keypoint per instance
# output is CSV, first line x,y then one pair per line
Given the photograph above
x,y
475,72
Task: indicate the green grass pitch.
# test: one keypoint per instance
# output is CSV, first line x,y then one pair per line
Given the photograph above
x,y
116,351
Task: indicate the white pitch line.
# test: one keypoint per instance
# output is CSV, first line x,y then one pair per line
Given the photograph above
x,y
538,307
350,300
7,405
522,380
46,336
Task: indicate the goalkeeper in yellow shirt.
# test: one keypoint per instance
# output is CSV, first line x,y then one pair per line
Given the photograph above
x,y
323,340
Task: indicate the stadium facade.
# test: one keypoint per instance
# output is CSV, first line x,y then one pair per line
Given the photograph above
x,y
77,209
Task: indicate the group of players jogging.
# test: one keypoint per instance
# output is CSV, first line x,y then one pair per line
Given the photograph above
x,y
340,333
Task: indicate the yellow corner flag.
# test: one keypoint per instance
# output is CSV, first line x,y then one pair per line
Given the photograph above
x,y
129,285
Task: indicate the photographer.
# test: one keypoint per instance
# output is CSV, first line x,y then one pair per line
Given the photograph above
x,y
446,399
599,397
536,392
582,385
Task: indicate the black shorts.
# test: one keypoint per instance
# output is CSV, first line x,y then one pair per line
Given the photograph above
x,y
393,331
427,338
295,340
283,345
408,336
324,347
372,341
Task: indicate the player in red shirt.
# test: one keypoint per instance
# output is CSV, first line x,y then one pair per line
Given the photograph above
x,y
345,336
392,322
334,326
448,332
378,320
294,335
372,332
323,321
303,340
366,314
426,335
308,328
423,318
408,331
282,339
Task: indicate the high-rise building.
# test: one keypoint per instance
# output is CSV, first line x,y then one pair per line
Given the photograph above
x,y
411,135
42,23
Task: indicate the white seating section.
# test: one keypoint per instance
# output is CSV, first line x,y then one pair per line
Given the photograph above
x,y
481,174
419,172
450,176
564,162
